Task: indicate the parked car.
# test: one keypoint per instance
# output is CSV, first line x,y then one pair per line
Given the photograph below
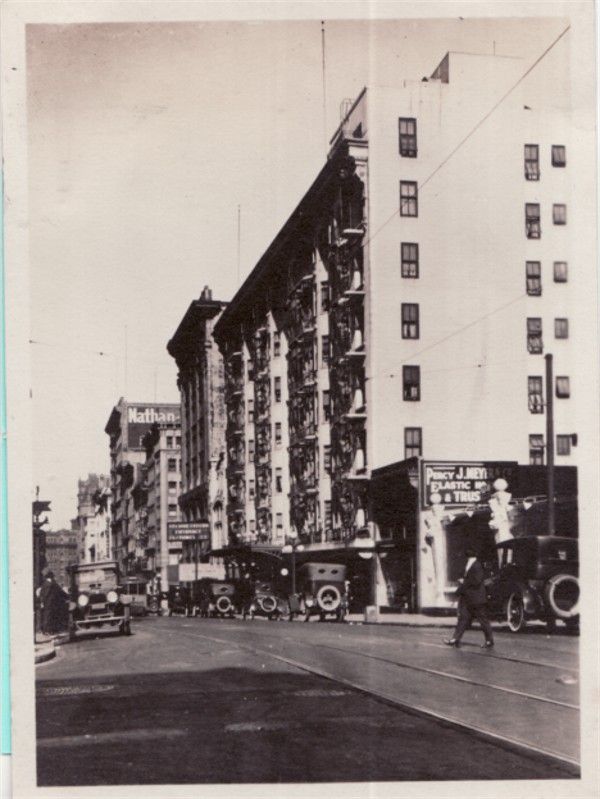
x,y
263,601
97,604
136,588
323,590
537,577
179,600
223,597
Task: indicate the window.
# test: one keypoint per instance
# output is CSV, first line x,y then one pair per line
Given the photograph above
x,y
325,350
408,198
413,444
561,328
326,406
327,458
534,336
559,214
278,479
279,521
250,410
534,278
250,370
563,445
563,390
277,434
536,450
172,464
172,509
169,442
535,394
172,485
411,383
277,389
251,450
252,525
410,320
560,271
276,344
532,162
559,156
409,259
407,129
327,514
532,221
325,296
251,489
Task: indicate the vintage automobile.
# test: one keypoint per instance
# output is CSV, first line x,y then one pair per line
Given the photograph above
x,y
263,601
218,598
179,600
323,590
136,589
97,606
537,577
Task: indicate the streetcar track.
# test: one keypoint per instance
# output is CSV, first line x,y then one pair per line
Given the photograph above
x,y
388,698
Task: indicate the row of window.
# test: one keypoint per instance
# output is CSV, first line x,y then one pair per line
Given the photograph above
x,y
535,391
535,344
533,228
533,276
537,447
532,159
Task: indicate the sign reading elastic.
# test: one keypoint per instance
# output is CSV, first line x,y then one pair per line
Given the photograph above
x,y
462,482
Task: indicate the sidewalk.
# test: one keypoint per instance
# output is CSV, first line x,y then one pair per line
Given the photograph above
x,y
44,650
404,620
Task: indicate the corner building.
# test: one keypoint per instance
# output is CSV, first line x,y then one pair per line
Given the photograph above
x,y
405,307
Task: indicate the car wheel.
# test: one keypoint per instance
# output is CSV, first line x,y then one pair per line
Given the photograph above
x,y
515,613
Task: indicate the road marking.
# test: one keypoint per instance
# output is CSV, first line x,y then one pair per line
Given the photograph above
x,y
319,692
110,737
75,690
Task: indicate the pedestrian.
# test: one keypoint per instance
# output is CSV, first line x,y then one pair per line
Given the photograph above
x,y
471,602
53,601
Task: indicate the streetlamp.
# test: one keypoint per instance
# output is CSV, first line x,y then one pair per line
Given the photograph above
x,y
367,552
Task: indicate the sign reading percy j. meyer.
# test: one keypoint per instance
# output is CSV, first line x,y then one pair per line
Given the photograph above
x,y
463,482
188,531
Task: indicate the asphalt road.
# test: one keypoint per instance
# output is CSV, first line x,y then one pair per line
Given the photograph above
x,y
225,701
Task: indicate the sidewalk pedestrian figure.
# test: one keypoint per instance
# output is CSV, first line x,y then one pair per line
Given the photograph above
x,y
471,602
53,601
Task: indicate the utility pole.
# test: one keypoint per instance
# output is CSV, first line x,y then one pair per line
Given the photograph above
x,y
550,442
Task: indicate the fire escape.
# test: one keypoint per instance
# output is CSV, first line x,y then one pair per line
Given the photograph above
x,y
349,473
303,402
234,436
262,427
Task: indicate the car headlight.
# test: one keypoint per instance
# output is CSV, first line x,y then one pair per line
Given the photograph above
x,y
82,600
112,596
310,602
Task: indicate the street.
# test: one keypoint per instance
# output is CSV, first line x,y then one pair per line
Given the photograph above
x,y
189,700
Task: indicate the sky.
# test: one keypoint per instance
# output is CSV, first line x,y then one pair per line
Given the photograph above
x,y
143,140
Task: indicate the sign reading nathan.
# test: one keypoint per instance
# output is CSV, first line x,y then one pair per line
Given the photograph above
x,y
140,419
188,531
463,482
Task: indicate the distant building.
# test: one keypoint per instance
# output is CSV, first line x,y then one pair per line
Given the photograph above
x,y
201,383
61,552
93,518
126,427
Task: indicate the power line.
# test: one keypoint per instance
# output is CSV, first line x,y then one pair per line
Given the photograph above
x,y
99,353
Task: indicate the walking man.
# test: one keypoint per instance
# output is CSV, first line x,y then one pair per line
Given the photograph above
x,y
471,602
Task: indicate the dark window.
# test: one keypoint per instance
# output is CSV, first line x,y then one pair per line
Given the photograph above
x,y
276,344
326,406
413,442
563,445
559,155
532,221
536,450
561,328
560,271
252,525
277,434
534,336
534,278
251,489
563,390
407,128
172,485
169,442
408,198
172,464
559,214
279,521
250,370
250,450
535,394
250,410
277,389
410,320
532,162
172,509
409,259
327,514
327,458
325,350
278,479
411,383
325,296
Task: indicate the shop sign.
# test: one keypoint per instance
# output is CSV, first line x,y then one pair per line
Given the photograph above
x,y
188,531
463,482
140,419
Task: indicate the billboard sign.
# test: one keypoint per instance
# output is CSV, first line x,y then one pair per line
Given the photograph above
x,y
462,483
188,531
140,419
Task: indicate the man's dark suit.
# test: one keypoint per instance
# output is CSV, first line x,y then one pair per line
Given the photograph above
x,y
471,603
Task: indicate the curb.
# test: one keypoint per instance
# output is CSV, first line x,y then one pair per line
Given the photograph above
x,y
47,653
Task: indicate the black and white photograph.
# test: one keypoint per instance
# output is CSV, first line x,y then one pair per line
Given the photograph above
x,y
302,398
